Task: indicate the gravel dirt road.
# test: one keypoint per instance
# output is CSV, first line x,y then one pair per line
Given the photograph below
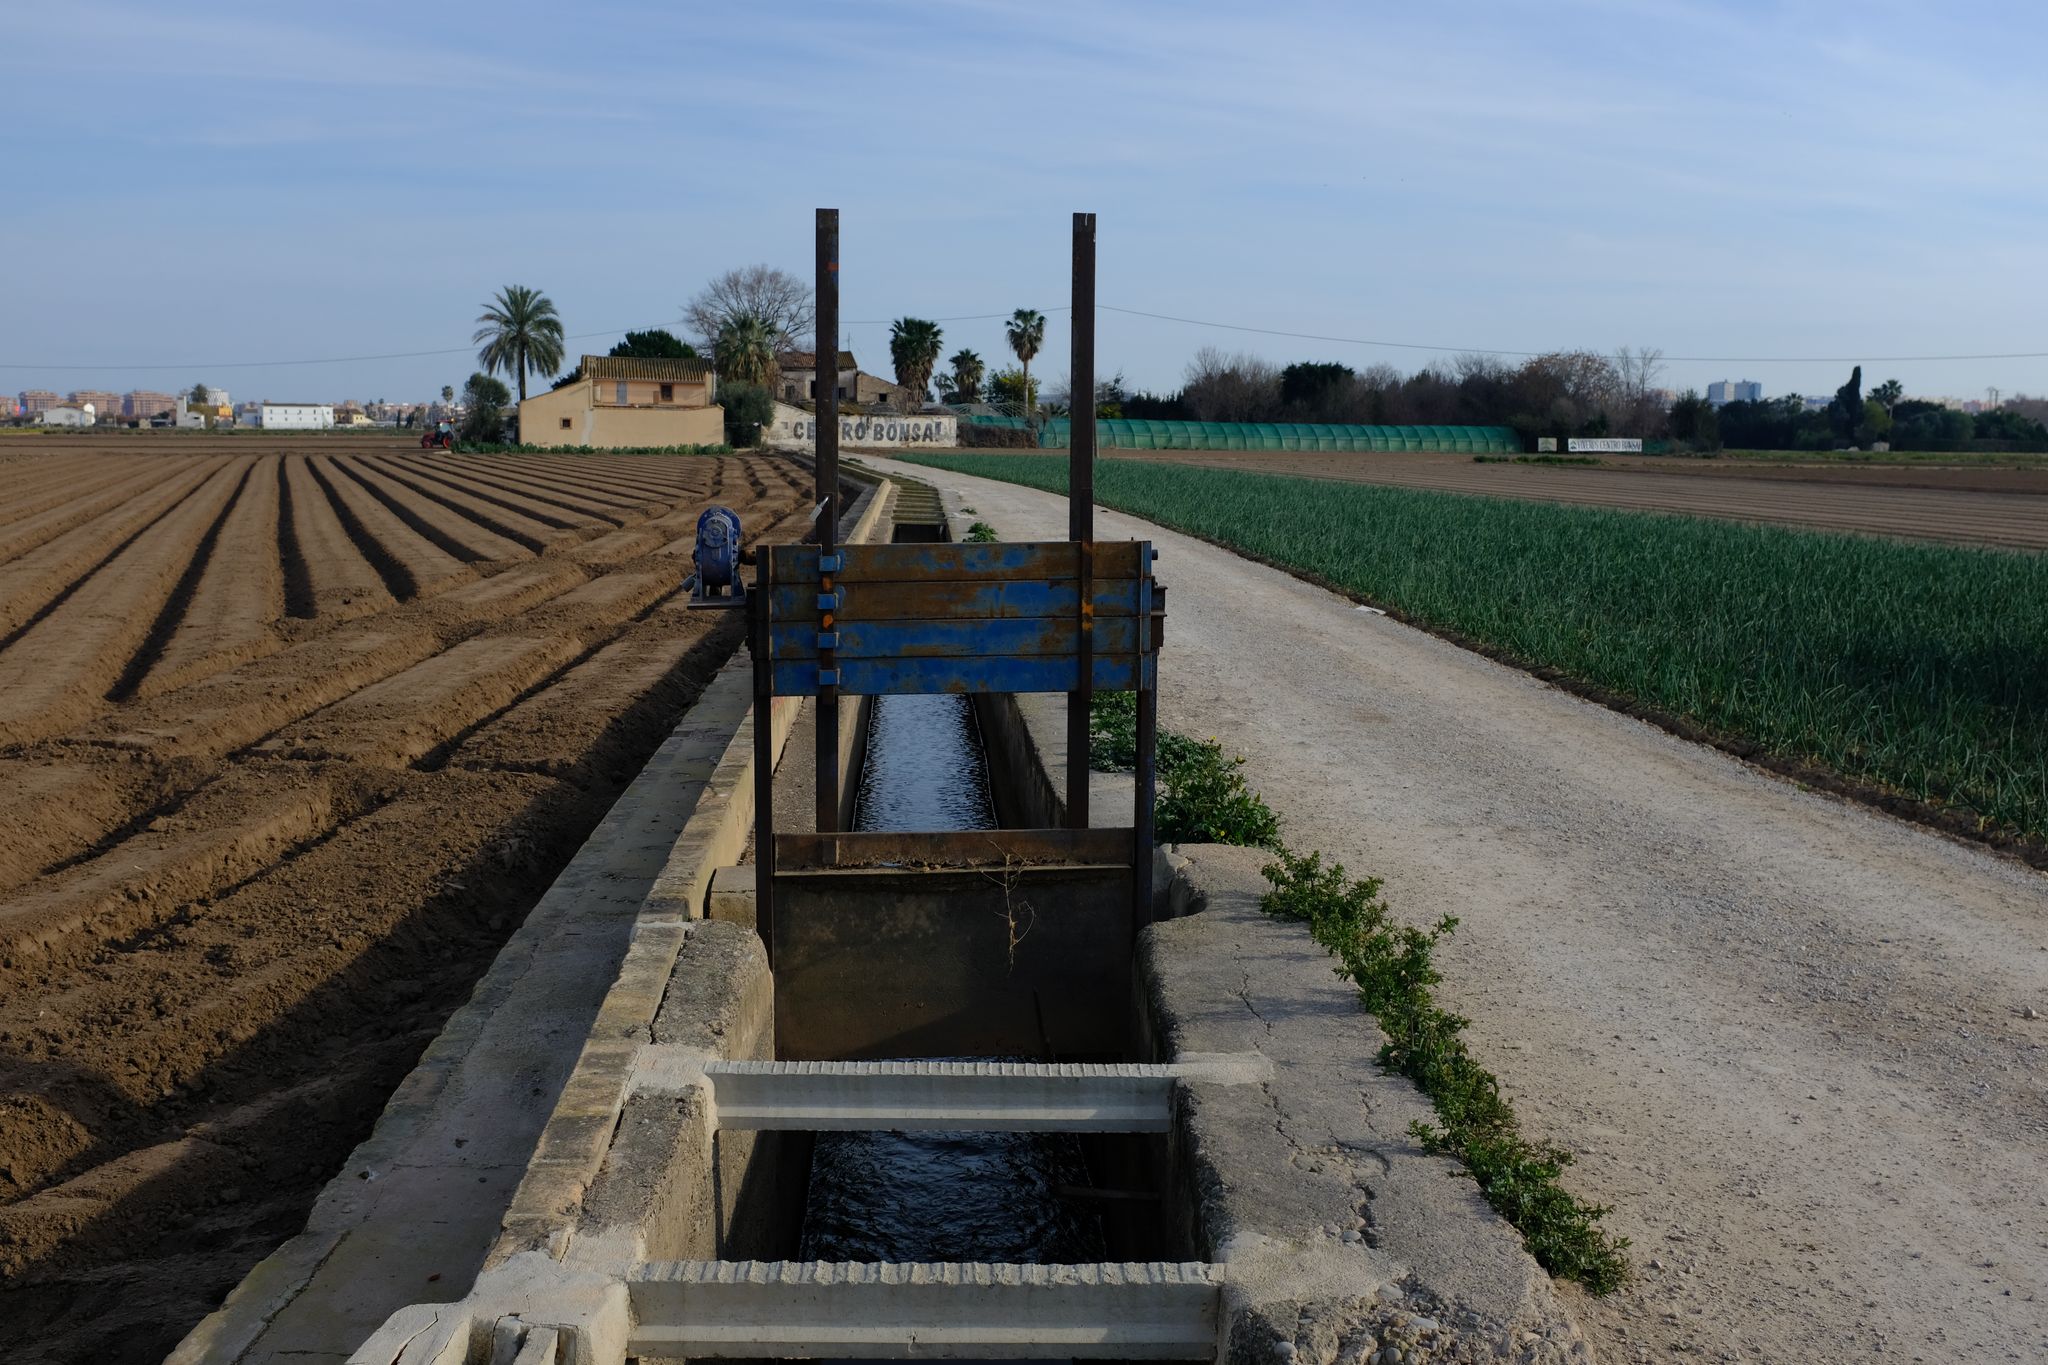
x,y
1786,1035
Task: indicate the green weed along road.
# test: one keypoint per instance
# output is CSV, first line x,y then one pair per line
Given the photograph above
x,y
1920,668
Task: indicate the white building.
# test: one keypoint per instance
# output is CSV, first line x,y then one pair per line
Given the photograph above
x,y
1724,391
81,416
295,416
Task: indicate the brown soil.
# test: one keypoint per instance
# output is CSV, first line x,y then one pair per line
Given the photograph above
x,y
1963,504
289,743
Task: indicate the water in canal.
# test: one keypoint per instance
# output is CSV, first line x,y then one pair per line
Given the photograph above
x,y
941,1196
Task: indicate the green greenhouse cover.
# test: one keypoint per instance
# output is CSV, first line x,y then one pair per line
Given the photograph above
x,y
1121,433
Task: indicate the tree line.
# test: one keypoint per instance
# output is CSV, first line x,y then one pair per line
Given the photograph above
x,y
748,318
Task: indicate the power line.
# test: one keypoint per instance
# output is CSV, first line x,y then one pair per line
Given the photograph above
x,y
329,360
1483,350
1108,308
969,317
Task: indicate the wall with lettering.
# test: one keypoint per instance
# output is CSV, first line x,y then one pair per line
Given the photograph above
x,y
795,428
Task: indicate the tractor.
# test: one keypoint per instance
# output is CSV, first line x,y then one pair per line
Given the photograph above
x,y
442,437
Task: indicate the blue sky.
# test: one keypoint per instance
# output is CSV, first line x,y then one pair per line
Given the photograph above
x,y
230,182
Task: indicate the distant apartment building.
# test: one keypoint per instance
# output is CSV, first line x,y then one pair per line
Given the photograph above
x,y
1722,392
145,404
106,404
36,402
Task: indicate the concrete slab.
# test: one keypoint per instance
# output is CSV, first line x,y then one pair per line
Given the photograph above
x,y
1307,1188
1140,1311
424,1195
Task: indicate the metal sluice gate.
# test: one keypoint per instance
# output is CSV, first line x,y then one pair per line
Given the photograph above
x,y
1076,616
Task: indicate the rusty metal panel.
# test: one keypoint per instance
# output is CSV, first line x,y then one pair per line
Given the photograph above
x,y
988,673
945,639
885,600
972,560
958,848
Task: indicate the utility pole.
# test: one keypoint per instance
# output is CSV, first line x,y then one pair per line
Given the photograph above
x,y
827,502
1081,512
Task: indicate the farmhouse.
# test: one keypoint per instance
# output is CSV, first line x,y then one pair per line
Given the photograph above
x,y
628,401
799,382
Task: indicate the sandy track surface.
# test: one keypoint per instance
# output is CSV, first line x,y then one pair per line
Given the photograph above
x,y
288,746
1783,1033
1962,505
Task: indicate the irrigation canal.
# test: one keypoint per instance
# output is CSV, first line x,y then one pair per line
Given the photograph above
x,y
1004,1198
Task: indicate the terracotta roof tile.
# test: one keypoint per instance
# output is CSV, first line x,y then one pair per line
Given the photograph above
x,y
663,371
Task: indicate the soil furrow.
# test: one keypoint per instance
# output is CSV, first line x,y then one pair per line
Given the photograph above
x,y
238,600
61,804
58,671
639,484
33,585
204,992
551,512
408,560
171,618
229,830
565,493
598,716
38,485
402,719
72,507
234,908
527,533
452,531
341,583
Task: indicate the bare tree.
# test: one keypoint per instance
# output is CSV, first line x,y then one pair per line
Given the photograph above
x,y
1231,388
777,297
1637,370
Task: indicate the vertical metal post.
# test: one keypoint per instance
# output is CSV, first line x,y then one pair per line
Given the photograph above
x,y
1081,509
827,500
764,752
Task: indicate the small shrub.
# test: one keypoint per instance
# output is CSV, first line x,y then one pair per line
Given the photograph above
x,y
748,408
976,436
981,532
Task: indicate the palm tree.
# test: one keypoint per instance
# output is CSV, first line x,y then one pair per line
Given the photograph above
x,y
744,352
1026,331
914,347
520,332
968,370
447,393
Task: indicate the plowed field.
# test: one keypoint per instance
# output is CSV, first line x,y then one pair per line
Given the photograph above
x,y
289,743
1963,504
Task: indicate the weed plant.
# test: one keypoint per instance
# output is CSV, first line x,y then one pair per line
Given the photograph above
x,y
1203,798
1393,966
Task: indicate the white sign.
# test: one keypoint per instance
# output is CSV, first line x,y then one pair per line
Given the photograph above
x,y
795,427
1546,445
1610,445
